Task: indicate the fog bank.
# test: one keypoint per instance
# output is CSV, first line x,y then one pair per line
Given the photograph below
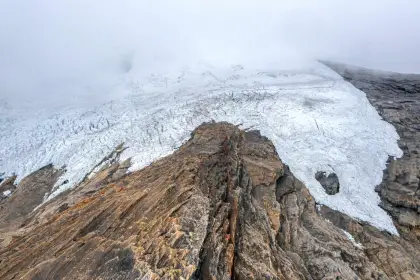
x,y
56,49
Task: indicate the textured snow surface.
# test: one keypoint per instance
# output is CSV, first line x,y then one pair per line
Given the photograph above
x,y
316,120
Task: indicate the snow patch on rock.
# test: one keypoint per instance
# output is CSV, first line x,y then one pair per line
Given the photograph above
x,y
7,193
351,238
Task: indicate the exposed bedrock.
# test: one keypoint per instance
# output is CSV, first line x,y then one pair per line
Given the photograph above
x,y
329,182
223,206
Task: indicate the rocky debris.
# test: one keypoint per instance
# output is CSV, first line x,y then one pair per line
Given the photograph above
x,y
330,183
223,206
397,99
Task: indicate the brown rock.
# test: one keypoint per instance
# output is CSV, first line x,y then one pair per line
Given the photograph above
x,y
29,193
223,206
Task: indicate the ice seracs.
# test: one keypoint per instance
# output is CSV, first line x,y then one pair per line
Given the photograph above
x,y
316,120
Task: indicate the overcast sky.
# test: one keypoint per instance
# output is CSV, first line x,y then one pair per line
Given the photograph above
x,y
52,41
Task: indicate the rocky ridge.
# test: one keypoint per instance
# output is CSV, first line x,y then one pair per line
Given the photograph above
x,y
223,206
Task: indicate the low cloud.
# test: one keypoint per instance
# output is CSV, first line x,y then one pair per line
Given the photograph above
x,y
48,48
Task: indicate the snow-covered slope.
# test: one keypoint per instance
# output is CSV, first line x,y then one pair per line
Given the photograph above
x,y
316,120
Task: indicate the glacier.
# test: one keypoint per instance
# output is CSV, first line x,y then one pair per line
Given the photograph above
x,y
316,120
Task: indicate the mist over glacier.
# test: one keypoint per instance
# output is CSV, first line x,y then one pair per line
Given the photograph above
x,y
54,52
78,78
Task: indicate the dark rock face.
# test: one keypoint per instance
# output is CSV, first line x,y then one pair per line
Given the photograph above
x,y
330,183
29,194
223,206
396,97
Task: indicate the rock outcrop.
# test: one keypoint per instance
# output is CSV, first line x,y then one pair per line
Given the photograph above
x,y
396,97
30,193
223,206
7,187
330,183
